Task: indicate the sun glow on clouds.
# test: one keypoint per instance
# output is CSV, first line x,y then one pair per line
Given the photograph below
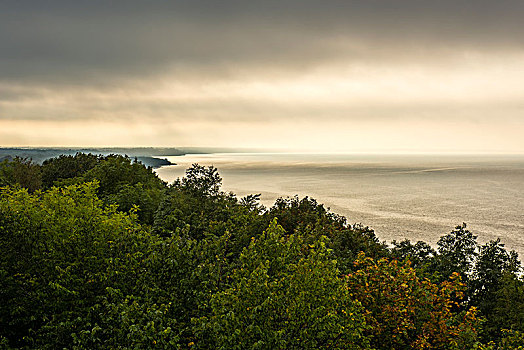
x,y
486,79
405,75
408,106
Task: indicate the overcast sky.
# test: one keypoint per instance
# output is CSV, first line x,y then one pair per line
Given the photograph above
x,y
344,76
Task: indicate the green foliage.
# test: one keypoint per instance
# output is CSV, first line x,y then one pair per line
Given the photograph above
x,y
313,221
347,243
205,212
115,171
421,256
63,167
508,312
194,201
494,271
22,172
63,252
457,251
125,261
200,181
179,209
294,213
284,295
121,181
145,200
513,340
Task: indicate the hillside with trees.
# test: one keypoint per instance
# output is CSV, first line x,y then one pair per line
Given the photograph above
x,y
97,252
148,156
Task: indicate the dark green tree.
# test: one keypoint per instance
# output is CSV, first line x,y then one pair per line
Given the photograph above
x,y
200,181
495,271
456,253
22,172
294,213
283,295
421,255
64,167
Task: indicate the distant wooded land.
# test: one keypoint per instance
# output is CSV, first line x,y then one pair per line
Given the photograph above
x,y
147,155
97,252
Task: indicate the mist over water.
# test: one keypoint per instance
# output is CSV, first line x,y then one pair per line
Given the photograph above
x,y
418,197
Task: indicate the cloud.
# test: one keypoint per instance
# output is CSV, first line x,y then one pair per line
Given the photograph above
x,y
100,41
208,70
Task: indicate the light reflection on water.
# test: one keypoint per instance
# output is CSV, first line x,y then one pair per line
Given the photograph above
x,y
416,197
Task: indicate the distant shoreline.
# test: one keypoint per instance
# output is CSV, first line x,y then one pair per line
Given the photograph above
x,y
147,156
154,157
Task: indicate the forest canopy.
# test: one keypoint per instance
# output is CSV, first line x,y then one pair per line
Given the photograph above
x,y
97,252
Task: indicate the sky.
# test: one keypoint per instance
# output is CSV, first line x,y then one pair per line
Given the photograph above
x,y
302,75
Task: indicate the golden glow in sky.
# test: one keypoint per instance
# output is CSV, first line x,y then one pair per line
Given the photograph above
x,y
394,83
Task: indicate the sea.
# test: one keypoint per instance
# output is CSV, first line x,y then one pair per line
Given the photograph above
x,y
415,197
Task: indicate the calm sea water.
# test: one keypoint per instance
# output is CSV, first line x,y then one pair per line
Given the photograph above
x,y
414,197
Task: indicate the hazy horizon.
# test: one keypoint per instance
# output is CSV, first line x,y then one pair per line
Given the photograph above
x,y
240,150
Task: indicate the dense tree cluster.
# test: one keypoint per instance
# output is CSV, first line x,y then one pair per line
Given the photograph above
x,y
98,253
